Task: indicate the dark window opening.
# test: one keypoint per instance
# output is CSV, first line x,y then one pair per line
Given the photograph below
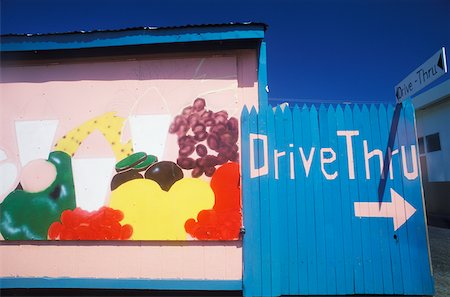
x,y
421,146
433,143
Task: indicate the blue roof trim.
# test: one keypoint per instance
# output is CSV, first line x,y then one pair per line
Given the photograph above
x,y
145,28
15,43
262,76
142,284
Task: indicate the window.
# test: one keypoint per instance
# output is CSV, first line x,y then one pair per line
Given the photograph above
x,y
432,157
421,146
433,143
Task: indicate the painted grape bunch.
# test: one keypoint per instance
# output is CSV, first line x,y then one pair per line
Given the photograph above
x,y
211,135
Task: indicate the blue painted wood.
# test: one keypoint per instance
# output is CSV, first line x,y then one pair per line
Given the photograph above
x,y
413,194
266,281
281,177
336,206
275,221
101,283
346,203
359,117
301,210
307,120
328,211
309,234
291,203
384,284
357,247
403,233
256,214
128,38
263,96
248,239
418,199
371,196
372,183
405,142
395,270
319,222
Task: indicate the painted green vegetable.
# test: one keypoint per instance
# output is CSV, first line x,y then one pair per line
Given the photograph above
x,y
27,216
146,163
130,161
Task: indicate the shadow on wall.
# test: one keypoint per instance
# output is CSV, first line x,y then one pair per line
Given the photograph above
x,y
437,197
137,69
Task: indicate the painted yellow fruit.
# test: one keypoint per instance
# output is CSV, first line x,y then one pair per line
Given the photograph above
x,y
159,215
108,124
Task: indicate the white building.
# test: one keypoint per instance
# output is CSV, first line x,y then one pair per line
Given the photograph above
x,y
433,132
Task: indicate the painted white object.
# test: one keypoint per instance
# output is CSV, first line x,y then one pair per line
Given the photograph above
x,y
432,69
8,176
149,133
35,139
92,179
3,156
398,209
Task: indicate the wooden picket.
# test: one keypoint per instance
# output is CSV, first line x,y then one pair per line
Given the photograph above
x,y
299,193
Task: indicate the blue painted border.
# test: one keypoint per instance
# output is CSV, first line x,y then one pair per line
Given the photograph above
x,y
262,76
128,38
146,284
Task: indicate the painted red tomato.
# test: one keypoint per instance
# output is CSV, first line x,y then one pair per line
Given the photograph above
x,y
79,224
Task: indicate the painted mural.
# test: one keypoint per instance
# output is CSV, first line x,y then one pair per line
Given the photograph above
x,y
136,150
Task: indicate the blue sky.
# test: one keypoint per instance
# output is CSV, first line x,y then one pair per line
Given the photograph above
x,y
317,50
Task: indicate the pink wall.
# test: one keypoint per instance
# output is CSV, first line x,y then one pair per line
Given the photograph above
x,y
145,260
76,92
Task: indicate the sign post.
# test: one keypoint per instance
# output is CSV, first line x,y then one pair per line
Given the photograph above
x,y
432,69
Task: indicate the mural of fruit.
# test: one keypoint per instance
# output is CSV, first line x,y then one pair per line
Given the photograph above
x,y
165,173
212,136
79,224
123,177
109,124
8,175
224,220
159,215
27,215
146,147
132,167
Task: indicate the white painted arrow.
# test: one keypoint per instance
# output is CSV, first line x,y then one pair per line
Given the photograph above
x,y
399,209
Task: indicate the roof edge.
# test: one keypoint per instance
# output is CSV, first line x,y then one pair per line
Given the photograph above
x,y
131,37
230,24
432,96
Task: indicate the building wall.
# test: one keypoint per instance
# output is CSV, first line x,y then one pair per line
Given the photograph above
x,y
76,92
436,163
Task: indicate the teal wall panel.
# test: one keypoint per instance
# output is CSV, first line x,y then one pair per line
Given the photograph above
x,y
274,209
340,207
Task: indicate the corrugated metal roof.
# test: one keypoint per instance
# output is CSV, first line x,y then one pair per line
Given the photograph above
x,y
136,36
231,24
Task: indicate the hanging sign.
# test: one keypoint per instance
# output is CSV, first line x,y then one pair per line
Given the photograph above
x,y
432,69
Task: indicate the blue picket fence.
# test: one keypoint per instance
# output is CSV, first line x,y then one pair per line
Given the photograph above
x,y
318,189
